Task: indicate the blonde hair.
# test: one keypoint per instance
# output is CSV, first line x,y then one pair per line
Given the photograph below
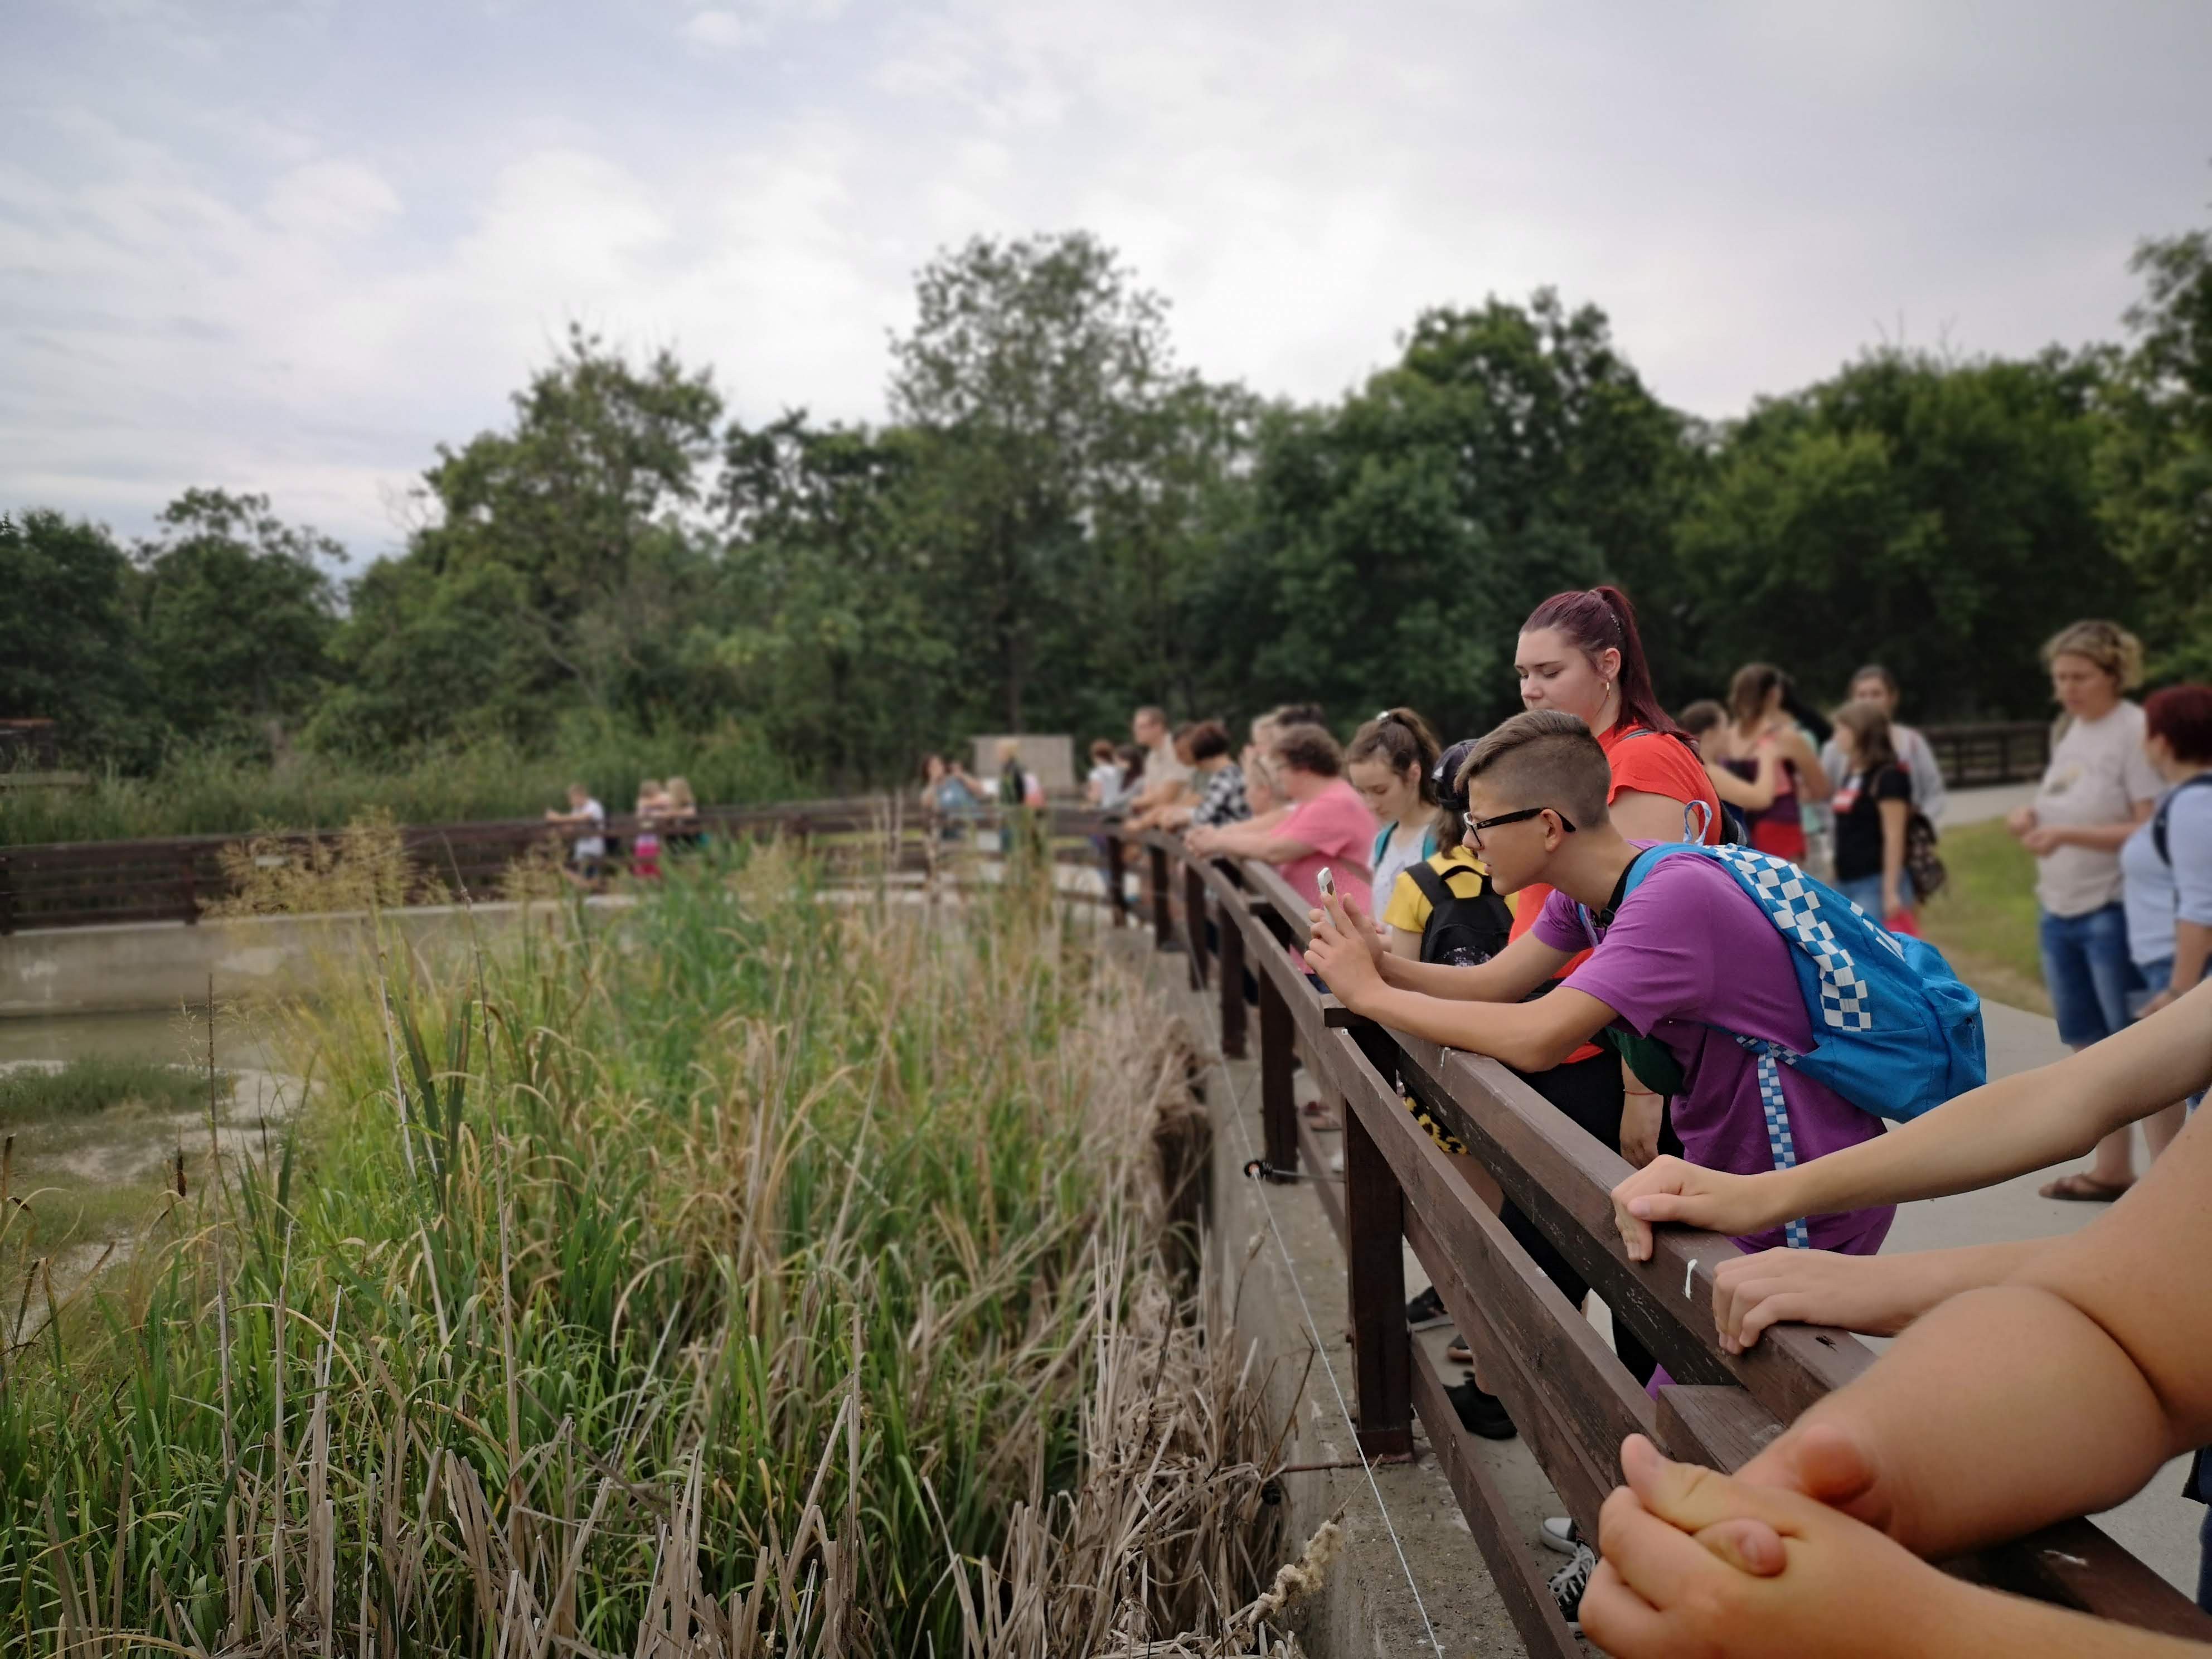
x,y
679,794
2106,644
1544,758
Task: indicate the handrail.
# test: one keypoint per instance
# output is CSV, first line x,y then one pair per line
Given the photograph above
x,y
1572,1398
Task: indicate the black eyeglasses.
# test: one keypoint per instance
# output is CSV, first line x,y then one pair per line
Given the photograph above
x,y
1475,826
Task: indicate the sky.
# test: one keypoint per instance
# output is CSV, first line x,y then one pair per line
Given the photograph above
x,y
293,248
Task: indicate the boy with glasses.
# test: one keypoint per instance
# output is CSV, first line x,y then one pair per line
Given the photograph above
x,y
1688,958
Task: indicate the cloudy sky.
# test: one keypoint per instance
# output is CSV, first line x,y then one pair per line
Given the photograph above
x,y
290,246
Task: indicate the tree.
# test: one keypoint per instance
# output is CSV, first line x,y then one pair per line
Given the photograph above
x,y
1037,375
69,634
237,610
1938,516
830,638
561,564
1397,540
2155,465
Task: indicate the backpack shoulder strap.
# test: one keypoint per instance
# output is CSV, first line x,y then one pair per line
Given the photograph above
x,y
1434,888
1381,846
2158,836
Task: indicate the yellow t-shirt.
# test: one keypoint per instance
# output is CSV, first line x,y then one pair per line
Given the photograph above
x,y
1409,906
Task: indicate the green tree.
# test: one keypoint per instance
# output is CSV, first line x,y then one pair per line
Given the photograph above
x,y
69,634
1941,517
1039,378
1397,540
238,608
562,563
831,639
2155,465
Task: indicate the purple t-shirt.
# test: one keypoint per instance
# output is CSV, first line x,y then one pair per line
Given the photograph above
x,y
1690,951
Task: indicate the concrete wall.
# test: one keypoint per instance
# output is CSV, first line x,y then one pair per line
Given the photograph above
x,y
154,965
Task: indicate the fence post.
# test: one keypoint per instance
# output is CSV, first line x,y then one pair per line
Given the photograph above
x,y
1228,969
1194,922
1162,916
1278,1122
1375,1274
1118,899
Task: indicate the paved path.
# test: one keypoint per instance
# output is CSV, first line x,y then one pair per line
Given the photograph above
x,y
1980,805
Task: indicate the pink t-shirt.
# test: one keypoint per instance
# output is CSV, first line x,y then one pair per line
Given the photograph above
x,y
1690,951
1338,826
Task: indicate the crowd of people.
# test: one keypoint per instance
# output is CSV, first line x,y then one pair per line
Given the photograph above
x,y
1512,895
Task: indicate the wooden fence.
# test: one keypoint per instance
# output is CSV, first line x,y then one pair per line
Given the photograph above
x,y
1571,1399
2012,751
91,883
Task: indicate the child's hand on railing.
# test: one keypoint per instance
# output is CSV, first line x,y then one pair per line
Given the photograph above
x,y
1697,1562
1669,1189
1874,1295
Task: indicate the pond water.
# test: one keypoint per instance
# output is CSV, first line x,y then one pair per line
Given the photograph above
x,y
93,1168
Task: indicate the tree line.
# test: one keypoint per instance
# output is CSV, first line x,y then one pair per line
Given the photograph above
x,y
1060,520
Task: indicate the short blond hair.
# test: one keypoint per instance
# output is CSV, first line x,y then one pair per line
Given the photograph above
x,y
1544,758
2106,644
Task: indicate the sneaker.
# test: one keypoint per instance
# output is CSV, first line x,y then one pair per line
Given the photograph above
x,y
1560,1534
1426,1310
1481,1414
1569,1582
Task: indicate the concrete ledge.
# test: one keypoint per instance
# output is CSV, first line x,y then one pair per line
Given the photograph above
x,y
145,966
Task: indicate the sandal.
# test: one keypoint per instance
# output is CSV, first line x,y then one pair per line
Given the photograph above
x,y
1457,1352
1319,1118
2082,1188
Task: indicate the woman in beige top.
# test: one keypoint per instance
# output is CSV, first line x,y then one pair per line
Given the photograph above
x,y
2099,786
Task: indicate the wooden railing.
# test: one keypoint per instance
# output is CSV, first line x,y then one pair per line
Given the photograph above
x,y
2011,752
1572,1398
91,883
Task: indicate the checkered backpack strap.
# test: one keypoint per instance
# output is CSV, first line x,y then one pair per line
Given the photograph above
x,y
1795,907
1793,903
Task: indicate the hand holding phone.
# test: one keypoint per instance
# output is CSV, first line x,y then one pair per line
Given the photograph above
x,y
1327,882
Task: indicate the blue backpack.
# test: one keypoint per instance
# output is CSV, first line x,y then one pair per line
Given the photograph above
x,y
1894,1032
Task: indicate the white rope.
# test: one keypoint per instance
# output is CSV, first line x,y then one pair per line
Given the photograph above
x,y
1313,1335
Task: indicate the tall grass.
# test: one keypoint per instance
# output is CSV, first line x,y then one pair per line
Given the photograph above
x,y
93,1084
219,791
770,1275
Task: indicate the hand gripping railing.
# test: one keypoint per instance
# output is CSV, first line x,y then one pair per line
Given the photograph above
x,y
1571,1397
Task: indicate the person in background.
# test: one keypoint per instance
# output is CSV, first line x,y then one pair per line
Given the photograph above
x,y
1104,781
1700,720
1876,684
1217,777
588,852
1167,780
949,792
1756,716
2099,786
680,827
1873,803
1131,758
1328,827
2165,869
1018,785
645,845
1390,763
1263,794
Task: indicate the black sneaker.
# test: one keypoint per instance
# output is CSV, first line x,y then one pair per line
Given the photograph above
x,y
1569,1582
1479,1413
1426,1310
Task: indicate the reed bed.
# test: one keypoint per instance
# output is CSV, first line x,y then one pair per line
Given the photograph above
x,y
755,1275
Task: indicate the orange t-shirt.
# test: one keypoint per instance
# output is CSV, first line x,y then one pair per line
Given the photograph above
x,y
1651,763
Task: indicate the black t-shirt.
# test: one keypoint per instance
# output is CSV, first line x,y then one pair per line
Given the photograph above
x,y
1858,826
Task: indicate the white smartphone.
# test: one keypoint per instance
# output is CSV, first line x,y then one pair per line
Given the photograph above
x,y
1327,882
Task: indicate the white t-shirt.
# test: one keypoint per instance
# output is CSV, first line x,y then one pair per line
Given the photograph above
x,y
1105,781
592,846
1405,845
2158,893
2098,775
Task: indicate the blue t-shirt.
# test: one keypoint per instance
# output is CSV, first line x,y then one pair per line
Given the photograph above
x,y
2158,894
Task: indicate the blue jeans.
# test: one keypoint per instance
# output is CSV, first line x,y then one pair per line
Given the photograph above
x,y
2086,969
